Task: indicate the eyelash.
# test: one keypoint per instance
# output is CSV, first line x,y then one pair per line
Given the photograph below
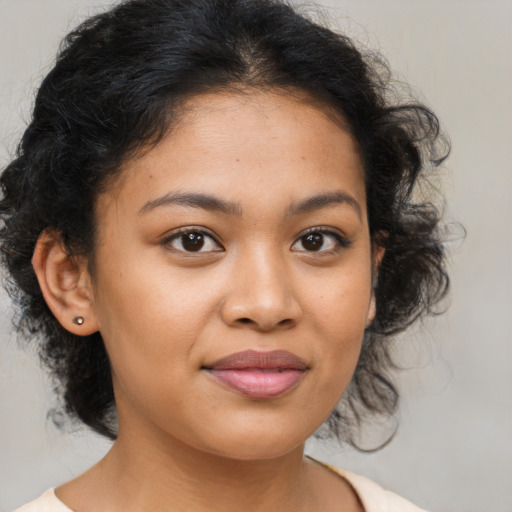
x,y
189,231
340,241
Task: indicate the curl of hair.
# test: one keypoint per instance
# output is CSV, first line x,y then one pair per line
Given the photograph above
x,y
117,86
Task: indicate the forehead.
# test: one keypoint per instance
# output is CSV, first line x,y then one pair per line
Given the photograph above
x,y
242,111
277,141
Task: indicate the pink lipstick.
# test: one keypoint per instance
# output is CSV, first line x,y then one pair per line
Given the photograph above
x,y
259,374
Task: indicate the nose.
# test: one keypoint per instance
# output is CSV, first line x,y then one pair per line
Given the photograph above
x,y
262,295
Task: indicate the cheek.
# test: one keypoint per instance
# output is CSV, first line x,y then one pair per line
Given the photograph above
x,y
340,301
151,318
149,298
340,313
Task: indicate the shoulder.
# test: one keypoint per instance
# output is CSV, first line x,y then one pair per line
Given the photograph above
x,y
375,498
372,496
47,502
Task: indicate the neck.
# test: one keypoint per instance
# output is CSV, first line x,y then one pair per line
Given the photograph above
x,y
170,476
191,480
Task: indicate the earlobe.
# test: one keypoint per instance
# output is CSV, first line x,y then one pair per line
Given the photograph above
x,y
372,311
65,284
377,255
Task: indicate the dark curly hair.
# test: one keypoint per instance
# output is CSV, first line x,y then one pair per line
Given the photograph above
x,y
116,87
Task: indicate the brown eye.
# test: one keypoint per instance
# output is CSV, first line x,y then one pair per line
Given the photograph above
x,y
313,241
320,240
191,241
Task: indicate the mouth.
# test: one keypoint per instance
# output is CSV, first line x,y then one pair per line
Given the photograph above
x,y
261,375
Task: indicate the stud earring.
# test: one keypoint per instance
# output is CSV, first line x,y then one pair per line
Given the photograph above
x,y
78,320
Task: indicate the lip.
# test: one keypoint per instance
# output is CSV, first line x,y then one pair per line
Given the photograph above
x,y
256,374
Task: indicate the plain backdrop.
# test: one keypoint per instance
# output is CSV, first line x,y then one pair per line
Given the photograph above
x,y
453,449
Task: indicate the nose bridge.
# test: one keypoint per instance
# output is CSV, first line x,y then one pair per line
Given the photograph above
x,y
266,275
262,293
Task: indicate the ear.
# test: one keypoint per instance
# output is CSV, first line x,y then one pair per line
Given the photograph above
x,y
65,283
377,255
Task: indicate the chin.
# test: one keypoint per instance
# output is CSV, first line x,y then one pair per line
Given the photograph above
x,y
257,444
258,452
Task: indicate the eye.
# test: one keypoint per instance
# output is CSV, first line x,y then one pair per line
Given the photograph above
x,y
320,240
192,240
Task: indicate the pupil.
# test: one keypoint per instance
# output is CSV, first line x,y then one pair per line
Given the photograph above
x,y
193,241
313,241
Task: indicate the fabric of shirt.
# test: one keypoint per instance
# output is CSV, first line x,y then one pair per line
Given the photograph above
x,y
373,497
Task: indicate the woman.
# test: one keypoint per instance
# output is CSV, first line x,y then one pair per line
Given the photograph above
x,y
213,230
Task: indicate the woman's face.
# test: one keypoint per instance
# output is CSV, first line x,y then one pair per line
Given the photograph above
x,y
232,280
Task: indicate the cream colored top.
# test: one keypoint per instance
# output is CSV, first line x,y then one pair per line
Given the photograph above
x,y
373,497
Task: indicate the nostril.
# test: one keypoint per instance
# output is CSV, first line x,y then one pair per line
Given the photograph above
x,y
282,324
264,324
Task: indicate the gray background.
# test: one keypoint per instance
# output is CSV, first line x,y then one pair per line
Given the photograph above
x,y
453,450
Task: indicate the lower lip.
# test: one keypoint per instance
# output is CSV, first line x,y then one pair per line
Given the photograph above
x,y
259,383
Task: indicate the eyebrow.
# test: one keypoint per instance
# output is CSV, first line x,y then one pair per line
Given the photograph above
x,y
212,203
194,200
323,200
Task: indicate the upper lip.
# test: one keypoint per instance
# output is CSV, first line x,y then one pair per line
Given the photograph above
x,y
275,359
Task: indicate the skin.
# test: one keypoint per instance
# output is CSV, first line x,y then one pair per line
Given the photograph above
x,y
186,442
